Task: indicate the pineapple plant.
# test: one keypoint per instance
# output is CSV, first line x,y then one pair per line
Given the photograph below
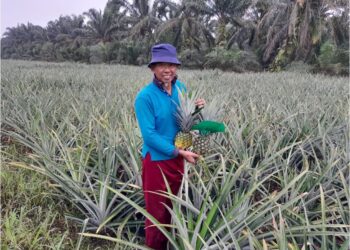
x,y
196,127
186,118
207,126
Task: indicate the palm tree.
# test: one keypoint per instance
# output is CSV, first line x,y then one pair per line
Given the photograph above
x,y
227,15
23,41
26,33
66,29
294,30
101,26
66,35
143,20
188,27
272,30
337,22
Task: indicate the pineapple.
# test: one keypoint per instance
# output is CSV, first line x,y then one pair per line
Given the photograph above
x,y
183,140
187,139
213,111
201,144
185,119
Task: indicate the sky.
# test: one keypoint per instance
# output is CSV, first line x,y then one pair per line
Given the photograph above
x,y
40,12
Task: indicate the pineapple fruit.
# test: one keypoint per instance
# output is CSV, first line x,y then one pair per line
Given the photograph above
x,y
185,119
187,139
213,111
201,144
183,140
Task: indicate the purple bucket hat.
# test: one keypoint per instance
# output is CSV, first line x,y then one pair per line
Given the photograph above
x,y
165,53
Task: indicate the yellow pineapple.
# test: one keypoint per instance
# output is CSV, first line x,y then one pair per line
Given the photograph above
x,y
183,140
185,118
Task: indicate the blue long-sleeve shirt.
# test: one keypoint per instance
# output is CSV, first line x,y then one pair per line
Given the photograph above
x,y
156,115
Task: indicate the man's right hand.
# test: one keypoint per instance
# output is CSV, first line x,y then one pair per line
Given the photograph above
x,y
189,156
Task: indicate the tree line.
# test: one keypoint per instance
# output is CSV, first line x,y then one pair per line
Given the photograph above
x,y
236,35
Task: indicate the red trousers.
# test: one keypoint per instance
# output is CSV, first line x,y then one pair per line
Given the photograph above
x,y
152,180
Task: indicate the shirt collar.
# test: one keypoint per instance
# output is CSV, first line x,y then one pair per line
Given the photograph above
x,y
159,84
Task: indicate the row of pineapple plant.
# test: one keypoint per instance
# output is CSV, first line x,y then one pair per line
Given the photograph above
x,y
277,178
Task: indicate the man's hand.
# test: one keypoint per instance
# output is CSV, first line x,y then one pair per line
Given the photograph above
x,y
200,103
189,156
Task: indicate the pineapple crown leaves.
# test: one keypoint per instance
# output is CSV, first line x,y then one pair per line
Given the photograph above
x,y
186,107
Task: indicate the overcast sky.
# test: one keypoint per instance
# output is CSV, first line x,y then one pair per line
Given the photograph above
x,y
40,12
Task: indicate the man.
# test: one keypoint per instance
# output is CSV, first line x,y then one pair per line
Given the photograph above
x,y
155,108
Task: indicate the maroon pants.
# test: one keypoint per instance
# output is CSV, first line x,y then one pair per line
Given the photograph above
x,y
153,180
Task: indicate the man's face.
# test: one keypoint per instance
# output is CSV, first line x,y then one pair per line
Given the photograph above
x,y
165,72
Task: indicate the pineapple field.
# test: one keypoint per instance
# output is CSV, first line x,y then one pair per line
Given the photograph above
x,y
276,178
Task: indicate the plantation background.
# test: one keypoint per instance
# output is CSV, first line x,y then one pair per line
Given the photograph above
x,y
278,178
232,35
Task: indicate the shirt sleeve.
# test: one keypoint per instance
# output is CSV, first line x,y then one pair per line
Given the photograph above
x,y
146,120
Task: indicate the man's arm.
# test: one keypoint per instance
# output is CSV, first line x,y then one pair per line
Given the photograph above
x,y
146,120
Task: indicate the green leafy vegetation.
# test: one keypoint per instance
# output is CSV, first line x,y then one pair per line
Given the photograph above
x,y
277,178
232,35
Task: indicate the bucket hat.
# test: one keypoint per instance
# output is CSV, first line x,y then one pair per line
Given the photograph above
x,y
165,53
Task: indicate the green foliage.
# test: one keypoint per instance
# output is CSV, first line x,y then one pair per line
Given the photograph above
x,y
47,51
132,53
31,217
192,58
222,58
298,67
277,176
127,53
97,53
233,59
333,60
18,230
326,53
82,54
283,58
269,34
